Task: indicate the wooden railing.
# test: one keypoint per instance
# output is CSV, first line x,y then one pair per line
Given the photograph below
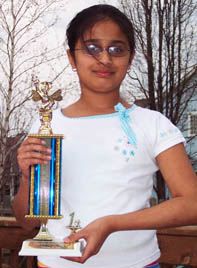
x,y
11,238
178,245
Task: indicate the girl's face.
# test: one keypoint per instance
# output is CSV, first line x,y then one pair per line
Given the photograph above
x,y
104,72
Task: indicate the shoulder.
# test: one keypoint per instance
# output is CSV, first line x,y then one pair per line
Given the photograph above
x,y
69,111
153,122
146,116
158,130
74,110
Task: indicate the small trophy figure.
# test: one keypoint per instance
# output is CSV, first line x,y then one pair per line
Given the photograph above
x,y
42,94
73,226
45,181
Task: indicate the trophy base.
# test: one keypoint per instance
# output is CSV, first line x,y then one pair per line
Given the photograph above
x,y
34,247
44,244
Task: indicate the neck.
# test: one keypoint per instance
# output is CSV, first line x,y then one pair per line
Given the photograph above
x,y
101,102
94,104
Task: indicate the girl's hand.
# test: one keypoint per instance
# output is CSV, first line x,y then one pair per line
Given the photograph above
x,y
31,152
95,234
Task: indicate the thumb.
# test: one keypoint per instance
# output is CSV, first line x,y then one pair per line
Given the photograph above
x,y
74,237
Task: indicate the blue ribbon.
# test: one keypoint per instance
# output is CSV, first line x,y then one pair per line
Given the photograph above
x,y
125,119
36,189
52,177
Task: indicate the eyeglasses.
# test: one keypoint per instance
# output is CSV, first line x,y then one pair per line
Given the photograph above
x,y
115,51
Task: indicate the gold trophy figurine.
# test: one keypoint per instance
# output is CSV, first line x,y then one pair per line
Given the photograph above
x,y
74,225
42,94
45,182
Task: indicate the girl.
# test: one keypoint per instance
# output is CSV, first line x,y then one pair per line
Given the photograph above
x,y
110,155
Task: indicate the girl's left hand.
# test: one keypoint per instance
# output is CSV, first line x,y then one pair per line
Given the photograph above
x,y
95,234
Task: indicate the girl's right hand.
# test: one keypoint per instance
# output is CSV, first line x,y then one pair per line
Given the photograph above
x,y
31,152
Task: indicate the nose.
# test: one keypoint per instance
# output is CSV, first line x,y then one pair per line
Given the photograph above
x,y
105,57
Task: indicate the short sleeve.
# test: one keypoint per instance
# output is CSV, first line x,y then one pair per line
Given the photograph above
x,y
166,135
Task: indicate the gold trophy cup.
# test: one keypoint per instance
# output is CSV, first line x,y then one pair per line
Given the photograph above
x,y
45,183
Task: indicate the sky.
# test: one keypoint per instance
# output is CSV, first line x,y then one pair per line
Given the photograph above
x,y
70,10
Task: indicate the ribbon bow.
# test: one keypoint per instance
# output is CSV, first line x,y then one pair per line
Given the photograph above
x,y
125,119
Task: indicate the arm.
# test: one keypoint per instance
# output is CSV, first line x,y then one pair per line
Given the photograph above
x,y
180,210
29,154
20,206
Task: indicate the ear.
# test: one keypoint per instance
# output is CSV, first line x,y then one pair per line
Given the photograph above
x,y
71,59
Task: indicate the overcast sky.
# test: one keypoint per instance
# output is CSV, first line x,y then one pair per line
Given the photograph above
x,y
70,10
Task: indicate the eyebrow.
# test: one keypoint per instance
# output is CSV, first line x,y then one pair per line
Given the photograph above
x,y
111,41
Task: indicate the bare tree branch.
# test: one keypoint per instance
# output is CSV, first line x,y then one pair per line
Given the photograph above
x,y
165,54
23,53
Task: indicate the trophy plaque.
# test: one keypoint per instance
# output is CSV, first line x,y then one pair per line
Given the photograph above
x,y
45,184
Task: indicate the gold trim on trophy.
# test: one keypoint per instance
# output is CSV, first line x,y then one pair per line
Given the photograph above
x,y
45,183
57,181
31,192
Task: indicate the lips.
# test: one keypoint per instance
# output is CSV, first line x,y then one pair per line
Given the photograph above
x,y
103,73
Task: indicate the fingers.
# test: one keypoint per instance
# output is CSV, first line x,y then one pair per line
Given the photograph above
x,y
72,239
31,152
89,251
94,238
75,237
94,242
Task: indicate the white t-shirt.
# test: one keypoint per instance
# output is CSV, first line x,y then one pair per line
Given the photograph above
x,y
108,165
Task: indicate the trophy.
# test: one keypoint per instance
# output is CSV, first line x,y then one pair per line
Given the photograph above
x,y
45,183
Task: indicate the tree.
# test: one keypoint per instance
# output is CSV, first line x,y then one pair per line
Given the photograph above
x,y
166,56
25,49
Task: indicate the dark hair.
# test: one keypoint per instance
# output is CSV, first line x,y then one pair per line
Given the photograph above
x,y
88,17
